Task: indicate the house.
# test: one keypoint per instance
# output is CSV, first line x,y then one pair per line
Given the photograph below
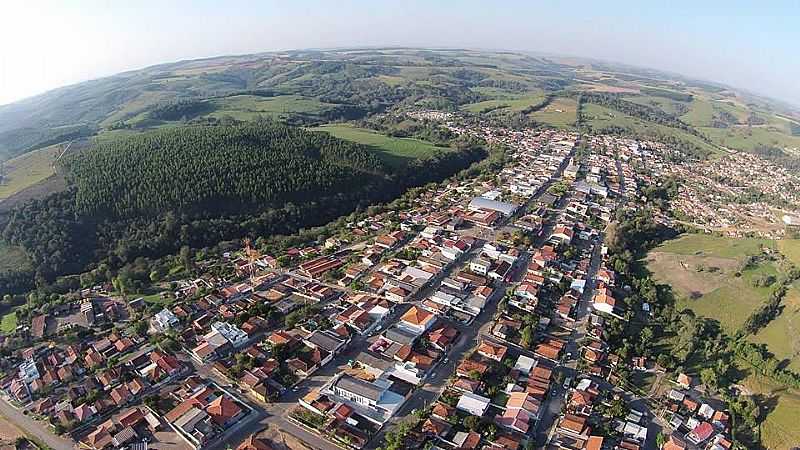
x,y
492,351
224,411
165,319
480,266
574,425
674,443
467,441
417,320
522,409
604,302
700,433
473,404
325,340
684,381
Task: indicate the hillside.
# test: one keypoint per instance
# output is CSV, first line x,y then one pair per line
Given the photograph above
x,y
316,87
149,194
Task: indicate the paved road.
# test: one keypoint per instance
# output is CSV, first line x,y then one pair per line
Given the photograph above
x,y
34,428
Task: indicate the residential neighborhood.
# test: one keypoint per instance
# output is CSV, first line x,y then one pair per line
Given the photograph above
x,y
475,317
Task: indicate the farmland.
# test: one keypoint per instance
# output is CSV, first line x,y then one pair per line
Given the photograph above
x,y
392,150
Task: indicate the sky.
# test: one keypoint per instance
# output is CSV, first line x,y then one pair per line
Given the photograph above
x,y
753,45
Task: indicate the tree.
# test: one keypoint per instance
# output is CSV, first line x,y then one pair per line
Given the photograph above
x,y
708,376
472,422
526,336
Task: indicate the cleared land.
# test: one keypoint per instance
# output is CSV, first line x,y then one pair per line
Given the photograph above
x,y
27,170
561,113
392,150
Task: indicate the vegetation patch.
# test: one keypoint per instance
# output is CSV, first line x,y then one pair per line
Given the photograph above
x,y
8,323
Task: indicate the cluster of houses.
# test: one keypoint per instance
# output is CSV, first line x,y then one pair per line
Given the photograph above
x,y
80,385
693,421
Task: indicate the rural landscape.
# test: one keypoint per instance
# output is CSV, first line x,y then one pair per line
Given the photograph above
x,y
399,248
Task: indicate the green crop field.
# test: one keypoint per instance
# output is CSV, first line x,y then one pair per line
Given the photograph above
x,y
392,150
27,170
560,113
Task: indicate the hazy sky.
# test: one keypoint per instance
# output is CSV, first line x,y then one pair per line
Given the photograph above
x,y
750,44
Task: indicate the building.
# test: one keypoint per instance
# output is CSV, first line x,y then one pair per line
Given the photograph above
x,y
165,319
231,333
417,320
482,203
473,404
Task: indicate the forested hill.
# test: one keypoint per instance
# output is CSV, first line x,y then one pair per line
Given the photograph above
x,y
149,195
218,170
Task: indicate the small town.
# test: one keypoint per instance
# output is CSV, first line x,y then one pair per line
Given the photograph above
x,y
476,313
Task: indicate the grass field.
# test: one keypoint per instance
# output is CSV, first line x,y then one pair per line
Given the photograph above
x,y
791,249
506,104
27,170
561,113
392,150
8,323
702,271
